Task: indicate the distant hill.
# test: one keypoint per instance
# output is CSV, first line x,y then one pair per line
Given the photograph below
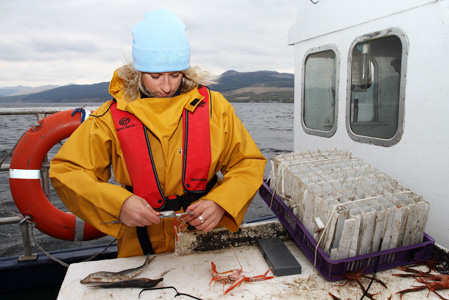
x,y
235,86
260,86
97,92
7,91
232,80
33,90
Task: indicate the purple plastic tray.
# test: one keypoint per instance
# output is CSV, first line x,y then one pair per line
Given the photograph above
x,y
334,270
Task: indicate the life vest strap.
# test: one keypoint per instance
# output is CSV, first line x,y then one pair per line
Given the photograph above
x,y
144,240
175,203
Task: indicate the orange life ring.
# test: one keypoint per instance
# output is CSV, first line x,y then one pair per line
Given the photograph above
x,y
25,183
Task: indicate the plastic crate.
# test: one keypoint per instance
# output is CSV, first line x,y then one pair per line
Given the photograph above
x,y
334,270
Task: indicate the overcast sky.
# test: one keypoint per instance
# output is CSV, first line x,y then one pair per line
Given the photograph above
x,y
60,42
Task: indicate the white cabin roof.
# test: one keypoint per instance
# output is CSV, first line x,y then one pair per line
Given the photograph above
x,y
322,15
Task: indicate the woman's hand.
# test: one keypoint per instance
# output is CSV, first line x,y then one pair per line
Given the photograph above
x,y
136,211
210,212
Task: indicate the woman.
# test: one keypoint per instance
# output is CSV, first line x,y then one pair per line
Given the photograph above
x,y
166,137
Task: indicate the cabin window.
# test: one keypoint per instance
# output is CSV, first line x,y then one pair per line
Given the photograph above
x,y
319,90
375,109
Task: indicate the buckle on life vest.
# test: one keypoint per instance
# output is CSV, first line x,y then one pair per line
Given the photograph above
x,y
176,202
173,203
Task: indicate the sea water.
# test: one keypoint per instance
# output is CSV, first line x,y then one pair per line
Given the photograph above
x,y
269,124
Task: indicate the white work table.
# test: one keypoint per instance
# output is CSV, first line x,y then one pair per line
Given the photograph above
x,y
190,273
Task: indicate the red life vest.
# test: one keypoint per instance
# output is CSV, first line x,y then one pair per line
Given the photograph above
x,y
133,137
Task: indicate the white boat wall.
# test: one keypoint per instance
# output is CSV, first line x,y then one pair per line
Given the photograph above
x,y
370,78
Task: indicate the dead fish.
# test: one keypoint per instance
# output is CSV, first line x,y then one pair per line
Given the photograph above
x,y
117,276
131,283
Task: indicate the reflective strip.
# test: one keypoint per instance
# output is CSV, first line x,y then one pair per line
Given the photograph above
x,y
24,174
79,230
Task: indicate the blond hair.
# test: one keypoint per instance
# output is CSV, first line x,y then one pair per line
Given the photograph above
x,y
192,77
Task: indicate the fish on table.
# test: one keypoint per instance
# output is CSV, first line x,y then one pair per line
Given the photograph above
x,y
131,283
104,277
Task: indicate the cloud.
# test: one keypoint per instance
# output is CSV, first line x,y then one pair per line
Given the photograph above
x,y
60,42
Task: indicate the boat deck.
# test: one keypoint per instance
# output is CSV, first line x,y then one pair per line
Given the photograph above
x,y
191,273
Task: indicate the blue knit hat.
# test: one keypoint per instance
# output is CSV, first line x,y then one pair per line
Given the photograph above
x,y
160,43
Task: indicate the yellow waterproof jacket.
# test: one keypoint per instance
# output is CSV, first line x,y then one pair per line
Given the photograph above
x,y
82,168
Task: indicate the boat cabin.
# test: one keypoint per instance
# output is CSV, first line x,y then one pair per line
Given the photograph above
x,y
370,78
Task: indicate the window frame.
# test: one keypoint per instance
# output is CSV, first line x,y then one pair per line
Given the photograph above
x,y
317,132
402,85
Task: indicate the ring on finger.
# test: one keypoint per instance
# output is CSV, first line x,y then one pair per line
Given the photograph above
x,y
201,219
